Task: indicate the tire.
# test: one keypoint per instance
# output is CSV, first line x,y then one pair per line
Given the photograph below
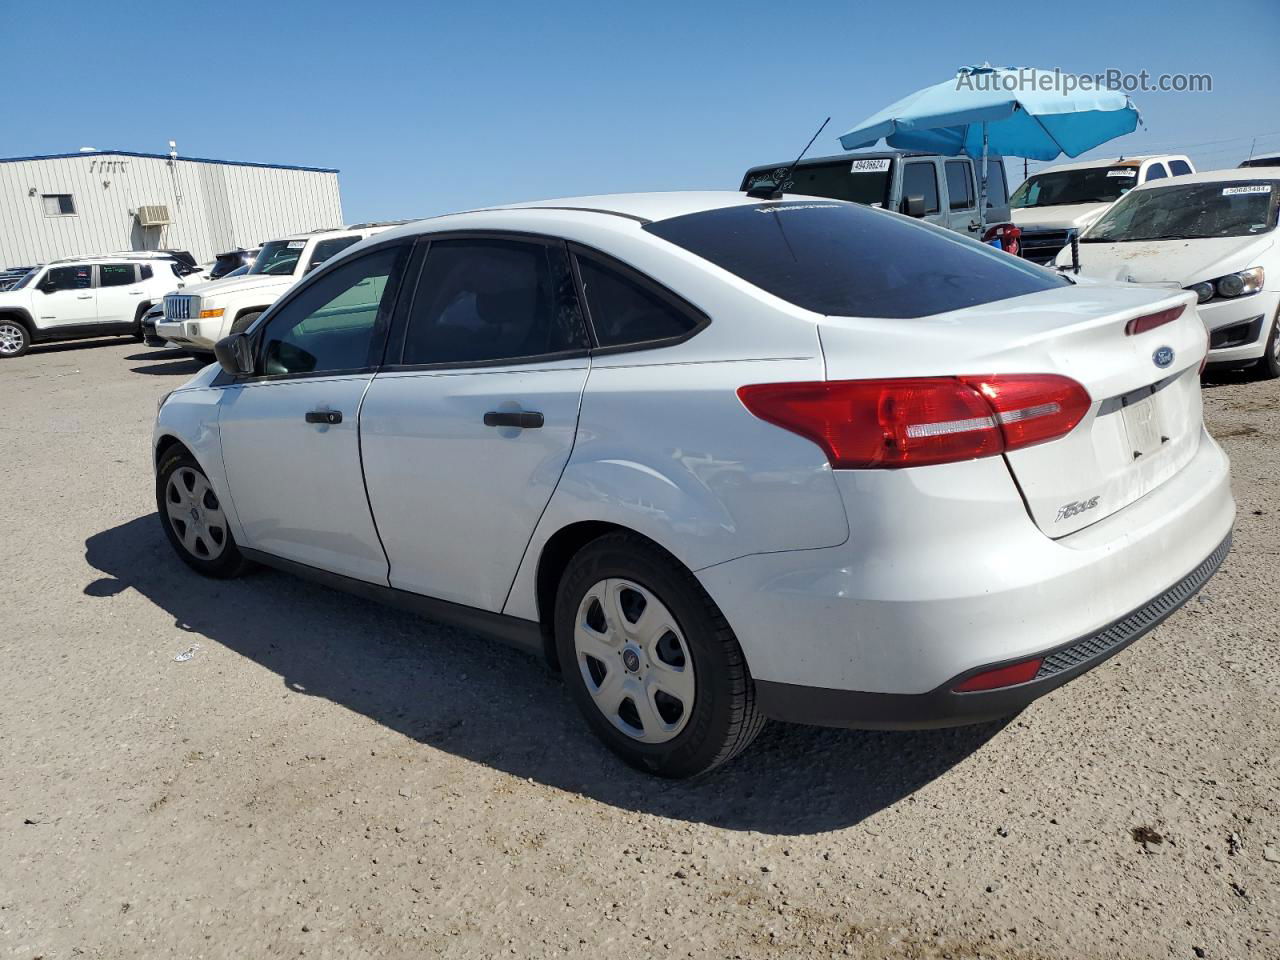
x,y
685,650
1268,367
244,321
137,322
15,338
203,540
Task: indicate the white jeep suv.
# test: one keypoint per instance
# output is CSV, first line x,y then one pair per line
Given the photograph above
x,y
84,297
203,314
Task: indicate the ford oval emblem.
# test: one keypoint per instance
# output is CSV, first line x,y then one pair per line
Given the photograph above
x,y
1162,357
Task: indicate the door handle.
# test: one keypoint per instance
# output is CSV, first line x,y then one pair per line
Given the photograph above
x,y
524,419
324,416
84,296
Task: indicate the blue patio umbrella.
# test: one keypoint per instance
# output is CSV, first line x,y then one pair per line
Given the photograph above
x,y
1012,111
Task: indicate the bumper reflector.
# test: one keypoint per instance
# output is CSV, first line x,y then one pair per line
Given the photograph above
x,y
1008,676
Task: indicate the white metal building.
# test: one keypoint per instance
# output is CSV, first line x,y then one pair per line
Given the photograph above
x,y
105,201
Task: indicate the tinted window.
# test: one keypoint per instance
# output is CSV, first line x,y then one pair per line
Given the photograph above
x,y
1179,167
847,260
147,273
278,258
327,248
115,274
489,300
623,311
959,185
997,187
69,278
856,181
1155,172
921,180
338,322
1064,187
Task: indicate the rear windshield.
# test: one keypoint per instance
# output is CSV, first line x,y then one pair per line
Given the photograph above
x,y
841,259
858,181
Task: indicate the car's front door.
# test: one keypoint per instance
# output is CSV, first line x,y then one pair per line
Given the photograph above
x,y
119,293
290,434
65,297
920,179
465,435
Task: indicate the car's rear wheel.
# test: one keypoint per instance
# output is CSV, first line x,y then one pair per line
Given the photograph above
x,y
651,661
15,340
193,518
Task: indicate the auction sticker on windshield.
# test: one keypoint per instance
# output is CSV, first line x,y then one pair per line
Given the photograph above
x,y
870,166
297,244
1251,188
1122,173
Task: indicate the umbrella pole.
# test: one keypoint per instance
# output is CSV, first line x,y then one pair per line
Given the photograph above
x,y
982,193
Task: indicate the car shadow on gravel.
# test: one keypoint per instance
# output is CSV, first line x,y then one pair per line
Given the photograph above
x,y
185,367
474,698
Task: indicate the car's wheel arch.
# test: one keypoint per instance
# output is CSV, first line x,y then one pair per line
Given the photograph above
x,y
18,315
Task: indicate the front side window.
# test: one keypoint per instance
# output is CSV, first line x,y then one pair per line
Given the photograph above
x,y
842,259
115,274
487,300
278,258
1065,187
1190,211
327,248
959,185
68,278
921,180
337,323
59,205
625,312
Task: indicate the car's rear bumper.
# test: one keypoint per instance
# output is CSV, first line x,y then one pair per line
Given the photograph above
x,y
944,707
944,575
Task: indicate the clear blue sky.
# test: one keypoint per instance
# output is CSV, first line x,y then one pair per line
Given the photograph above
x,y
429,107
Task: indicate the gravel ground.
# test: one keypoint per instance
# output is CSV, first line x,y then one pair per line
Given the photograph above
x,y
328,778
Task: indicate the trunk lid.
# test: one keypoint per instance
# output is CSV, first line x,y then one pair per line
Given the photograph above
x,y
1145,420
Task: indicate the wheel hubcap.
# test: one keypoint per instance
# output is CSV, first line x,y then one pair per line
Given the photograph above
x,y
195,514
634,660
10,338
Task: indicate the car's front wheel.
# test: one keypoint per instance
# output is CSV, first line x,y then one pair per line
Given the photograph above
x,y
193,518
1268,367
15,340
650,659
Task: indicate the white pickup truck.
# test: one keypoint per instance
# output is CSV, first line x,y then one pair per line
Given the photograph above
x,y
1057,203
199,316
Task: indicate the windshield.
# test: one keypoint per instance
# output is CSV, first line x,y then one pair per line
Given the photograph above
x,y
278,258
1096,185
1193,211
26,278
864,181
842,259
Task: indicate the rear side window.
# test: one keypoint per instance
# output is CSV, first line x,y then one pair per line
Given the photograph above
x,y
625,311
1179,168
959,185
842,259
328,248
921,180
147,274
488,301
1155,172
115,274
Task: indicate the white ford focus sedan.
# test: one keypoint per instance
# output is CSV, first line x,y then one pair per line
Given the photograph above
x,y
718,459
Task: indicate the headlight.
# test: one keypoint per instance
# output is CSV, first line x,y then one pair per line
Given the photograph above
x,y
1232,285
211,314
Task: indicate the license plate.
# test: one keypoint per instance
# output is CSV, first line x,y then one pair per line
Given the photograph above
x,y
1142,424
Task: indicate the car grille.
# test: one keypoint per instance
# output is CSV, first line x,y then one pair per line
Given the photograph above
x,y
1041,246
179,308
1137,623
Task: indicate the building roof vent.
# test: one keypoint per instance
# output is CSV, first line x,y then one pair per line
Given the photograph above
x,y
155,215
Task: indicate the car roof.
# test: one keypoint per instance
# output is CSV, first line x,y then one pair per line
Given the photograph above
x,y
862,155
128,256
1126,161
1234,175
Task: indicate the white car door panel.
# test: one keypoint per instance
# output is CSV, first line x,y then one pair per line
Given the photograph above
x,y
290,436
72,302
456,500
119,293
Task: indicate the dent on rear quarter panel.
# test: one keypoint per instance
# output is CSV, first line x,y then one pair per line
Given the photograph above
x,y
670,452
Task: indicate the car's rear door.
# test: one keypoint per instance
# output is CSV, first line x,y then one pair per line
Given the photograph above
x,y
120,293
290,438
962,197
466,430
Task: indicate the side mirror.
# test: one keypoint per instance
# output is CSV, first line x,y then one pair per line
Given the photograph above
x,y
913,206
47,286
235,354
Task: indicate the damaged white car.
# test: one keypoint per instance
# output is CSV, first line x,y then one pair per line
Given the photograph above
x,y
1213,234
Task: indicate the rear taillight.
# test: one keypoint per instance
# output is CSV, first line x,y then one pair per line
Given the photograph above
x,y
1152,320
1007,676
863,424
